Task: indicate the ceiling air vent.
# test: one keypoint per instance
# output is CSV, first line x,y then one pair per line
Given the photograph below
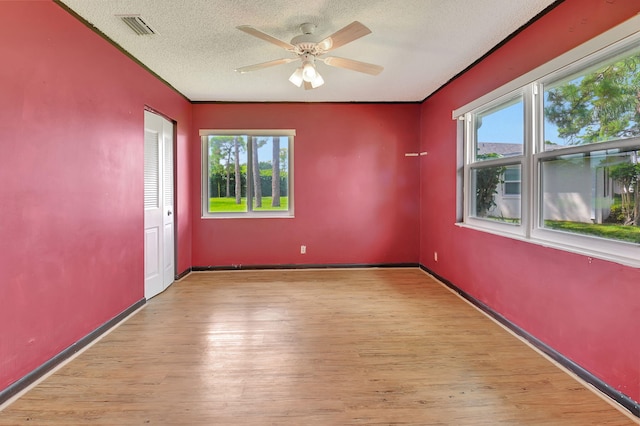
x,y
137,24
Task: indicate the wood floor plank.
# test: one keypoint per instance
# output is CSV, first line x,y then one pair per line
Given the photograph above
x,y
310,347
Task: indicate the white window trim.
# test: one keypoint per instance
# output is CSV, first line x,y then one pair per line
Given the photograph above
x,y
511,229
204,196
607,44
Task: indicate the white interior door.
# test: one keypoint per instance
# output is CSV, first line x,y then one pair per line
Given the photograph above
x,y
168,246
159,267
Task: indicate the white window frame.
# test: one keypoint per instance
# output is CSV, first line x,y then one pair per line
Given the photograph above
x,y
530,85
206,214
470,164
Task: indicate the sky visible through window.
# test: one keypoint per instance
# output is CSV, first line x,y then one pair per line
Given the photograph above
x,y
265,152
506,126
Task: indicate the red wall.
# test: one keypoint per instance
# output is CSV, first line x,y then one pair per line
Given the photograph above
x,y
71,167
356,194
586,310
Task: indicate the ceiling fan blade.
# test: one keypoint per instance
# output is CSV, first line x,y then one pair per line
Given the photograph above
x,y
307,86
353,65
264,36
262,65
351,32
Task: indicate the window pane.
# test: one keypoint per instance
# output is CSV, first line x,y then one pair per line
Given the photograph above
x,y
227,173
592,193
596,105
512,180
489,201
512,173
512,188
500,130
270,171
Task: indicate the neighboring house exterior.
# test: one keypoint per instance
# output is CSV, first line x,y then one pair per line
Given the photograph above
x,y
577,190
507,198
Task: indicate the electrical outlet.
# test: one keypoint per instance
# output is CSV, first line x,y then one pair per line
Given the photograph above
x,y
435,256
303,249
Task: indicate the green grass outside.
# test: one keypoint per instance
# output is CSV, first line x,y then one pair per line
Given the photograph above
x,y
226,205
605,230
514,220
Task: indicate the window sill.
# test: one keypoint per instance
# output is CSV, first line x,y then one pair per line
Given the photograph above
x,y
631,260
248,216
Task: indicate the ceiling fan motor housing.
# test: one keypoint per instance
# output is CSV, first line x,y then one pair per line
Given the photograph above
x,y
305,41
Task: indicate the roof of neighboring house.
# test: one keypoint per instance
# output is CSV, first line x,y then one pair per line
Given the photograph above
x,y
503,149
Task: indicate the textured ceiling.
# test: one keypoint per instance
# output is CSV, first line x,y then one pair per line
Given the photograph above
x,y
420,43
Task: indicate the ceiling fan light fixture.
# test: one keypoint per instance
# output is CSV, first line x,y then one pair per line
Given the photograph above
x,y
296,77
318,81
325,44
308,71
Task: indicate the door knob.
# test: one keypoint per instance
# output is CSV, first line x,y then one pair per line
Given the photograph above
x,y
169,213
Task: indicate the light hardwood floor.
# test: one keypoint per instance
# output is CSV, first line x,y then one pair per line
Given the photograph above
x,y
310,347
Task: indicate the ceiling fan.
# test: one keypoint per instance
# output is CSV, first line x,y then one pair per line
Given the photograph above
x,y
308,52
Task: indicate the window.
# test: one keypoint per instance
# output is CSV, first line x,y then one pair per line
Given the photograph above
x,y
553,157
511,182
247,173
496,143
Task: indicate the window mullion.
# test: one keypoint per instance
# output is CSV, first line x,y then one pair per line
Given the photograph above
x,y
506,161
532,118
249,184
585,148
469,142
204,172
